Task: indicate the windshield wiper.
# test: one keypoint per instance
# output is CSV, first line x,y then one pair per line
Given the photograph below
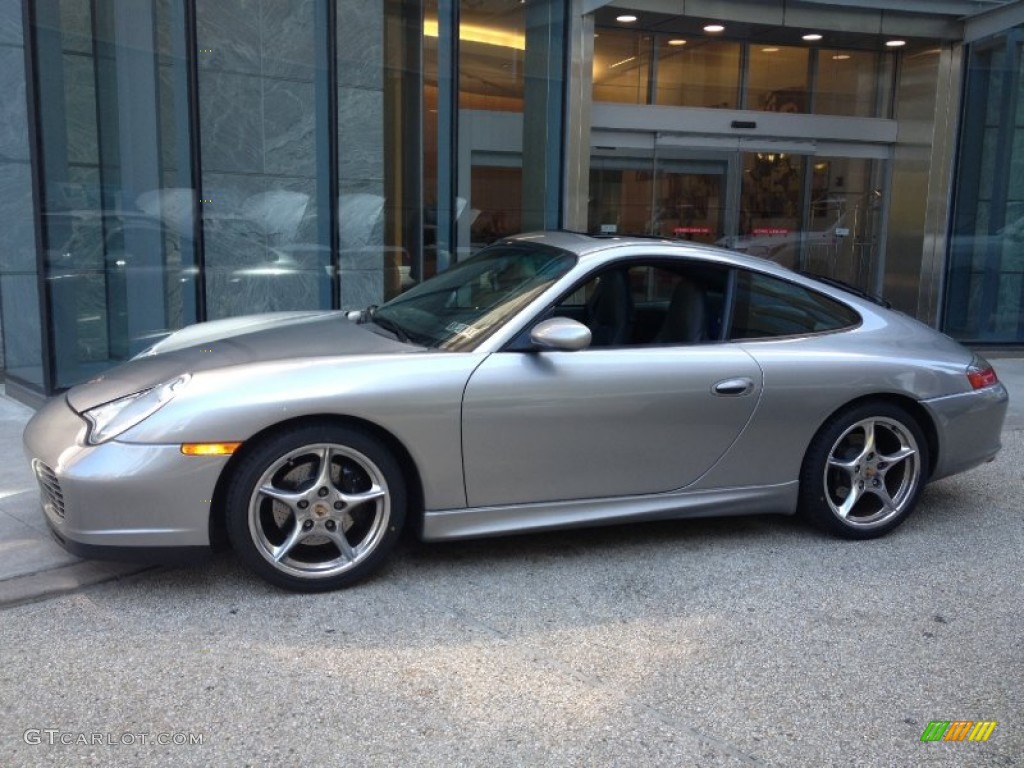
x,y
370,314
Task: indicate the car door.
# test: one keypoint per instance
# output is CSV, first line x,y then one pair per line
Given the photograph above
x,y
637,418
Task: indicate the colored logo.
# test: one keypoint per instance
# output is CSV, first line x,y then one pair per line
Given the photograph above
x,y
959,730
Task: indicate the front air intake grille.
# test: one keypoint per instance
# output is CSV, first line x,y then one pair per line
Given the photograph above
x,y
49,487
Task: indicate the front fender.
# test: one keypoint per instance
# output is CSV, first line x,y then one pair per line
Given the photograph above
x,y
417,398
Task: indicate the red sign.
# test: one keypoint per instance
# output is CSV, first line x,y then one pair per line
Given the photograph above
x,y
770,231
691,231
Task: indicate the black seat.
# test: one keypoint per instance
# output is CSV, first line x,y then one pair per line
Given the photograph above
x,y
685,321
610,311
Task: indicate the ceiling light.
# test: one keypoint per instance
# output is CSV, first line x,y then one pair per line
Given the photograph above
x,y
626,18
841,57
677,42
769,50
896,43
714,28
812,37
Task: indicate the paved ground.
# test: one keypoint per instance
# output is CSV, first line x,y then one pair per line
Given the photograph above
x,y
749,641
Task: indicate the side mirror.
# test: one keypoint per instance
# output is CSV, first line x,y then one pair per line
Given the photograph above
x,y
560,333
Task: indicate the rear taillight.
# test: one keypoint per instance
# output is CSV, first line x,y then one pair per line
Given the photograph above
x,y
981,374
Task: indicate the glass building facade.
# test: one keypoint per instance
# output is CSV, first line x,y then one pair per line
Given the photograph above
x,y
166,162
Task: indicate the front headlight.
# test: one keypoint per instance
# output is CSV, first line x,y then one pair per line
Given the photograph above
x,y
109,420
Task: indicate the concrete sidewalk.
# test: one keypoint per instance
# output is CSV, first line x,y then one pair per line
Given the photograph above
x,y
33,566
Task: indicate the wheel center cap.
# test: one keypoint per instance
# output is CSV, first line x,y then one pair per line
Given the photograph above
x,y
321,510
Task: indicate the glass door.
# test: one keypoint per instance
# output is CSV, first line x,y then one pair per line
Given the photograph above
x,y
690,198
659,191
817,213
820,214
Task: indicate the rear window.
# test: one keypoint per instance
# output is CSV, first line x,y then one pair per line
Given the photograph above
x,y
766,307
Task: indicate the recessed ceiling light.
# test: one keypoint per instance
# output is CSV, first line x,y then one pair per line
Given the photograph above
x,y
812,37
769,50
626,18
677,42
714,28
896,43
841,57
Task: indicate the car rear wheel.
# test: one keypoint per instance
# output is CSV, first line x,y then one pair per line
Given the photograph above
x,y
864,471
316,508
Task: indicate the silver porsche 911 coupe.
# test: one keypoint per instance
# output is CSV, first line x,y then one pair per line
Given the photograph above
x,y
552,380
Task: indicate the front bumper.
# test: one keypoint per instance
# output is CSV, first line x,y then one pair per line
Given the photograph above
x,y
968,426
119,500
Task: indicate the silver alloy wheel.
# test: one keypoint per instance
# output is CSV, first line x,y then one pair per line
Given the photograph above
x,y
319,511
872,473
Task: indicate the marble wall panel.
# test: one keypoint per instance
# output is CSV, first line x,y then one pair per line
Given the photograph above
x,y
360,44
228,36
11,29
231,122
288,29
289,128
360,133
173,147
80,109
23,351
13,107
361,288
240,292
249,268
18,246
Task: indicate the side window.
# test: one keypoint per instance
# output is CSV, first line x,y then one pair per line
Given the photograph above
x,y
766,307
647,303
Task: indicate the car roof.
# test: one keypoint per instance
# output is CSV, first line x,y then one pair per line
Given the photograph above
x,y
594,249
588,247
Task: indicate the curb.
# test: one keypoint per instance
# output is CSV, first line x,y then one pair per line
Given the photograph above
x,y
43,585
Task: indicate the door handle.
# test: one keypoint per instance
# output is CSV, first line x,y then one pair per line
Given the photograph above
x,y
734,387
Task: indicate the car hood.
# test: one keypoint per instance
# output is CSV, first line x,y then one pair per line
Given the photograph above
x,y
237,341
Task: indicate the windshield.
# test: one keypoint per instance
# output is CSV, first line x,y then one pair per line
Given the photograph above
x,y
460,307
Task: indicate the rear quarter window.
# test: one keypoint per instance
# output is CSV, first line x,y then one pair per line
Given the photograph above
x,y
767,307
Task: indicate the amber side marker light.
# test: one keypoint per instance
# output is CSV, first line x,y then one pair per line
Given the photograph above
x,y
209,449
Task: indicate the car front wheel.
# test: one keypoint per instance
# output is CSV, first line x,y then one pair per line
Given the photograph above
x,y
864,471
316,508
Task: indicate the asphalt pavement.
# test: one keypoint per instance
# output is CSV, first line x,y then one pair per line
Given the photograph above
x,y
732,642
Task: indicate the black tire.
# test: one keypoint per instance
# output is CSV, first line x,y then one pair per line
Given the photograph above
x,y
858,490
308,530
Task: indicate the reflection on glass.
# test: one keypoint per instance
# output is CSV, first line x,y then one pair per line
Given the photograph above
x,y
621,190
690,204
492,68
697,73
841,240
431,147
621,66
770,206
836,235
985,293
258,124
117,192
777,78
849,82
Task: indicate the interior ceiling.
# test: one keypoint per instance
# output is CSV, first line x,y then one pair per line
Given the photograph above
x,y
849,22
960,9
